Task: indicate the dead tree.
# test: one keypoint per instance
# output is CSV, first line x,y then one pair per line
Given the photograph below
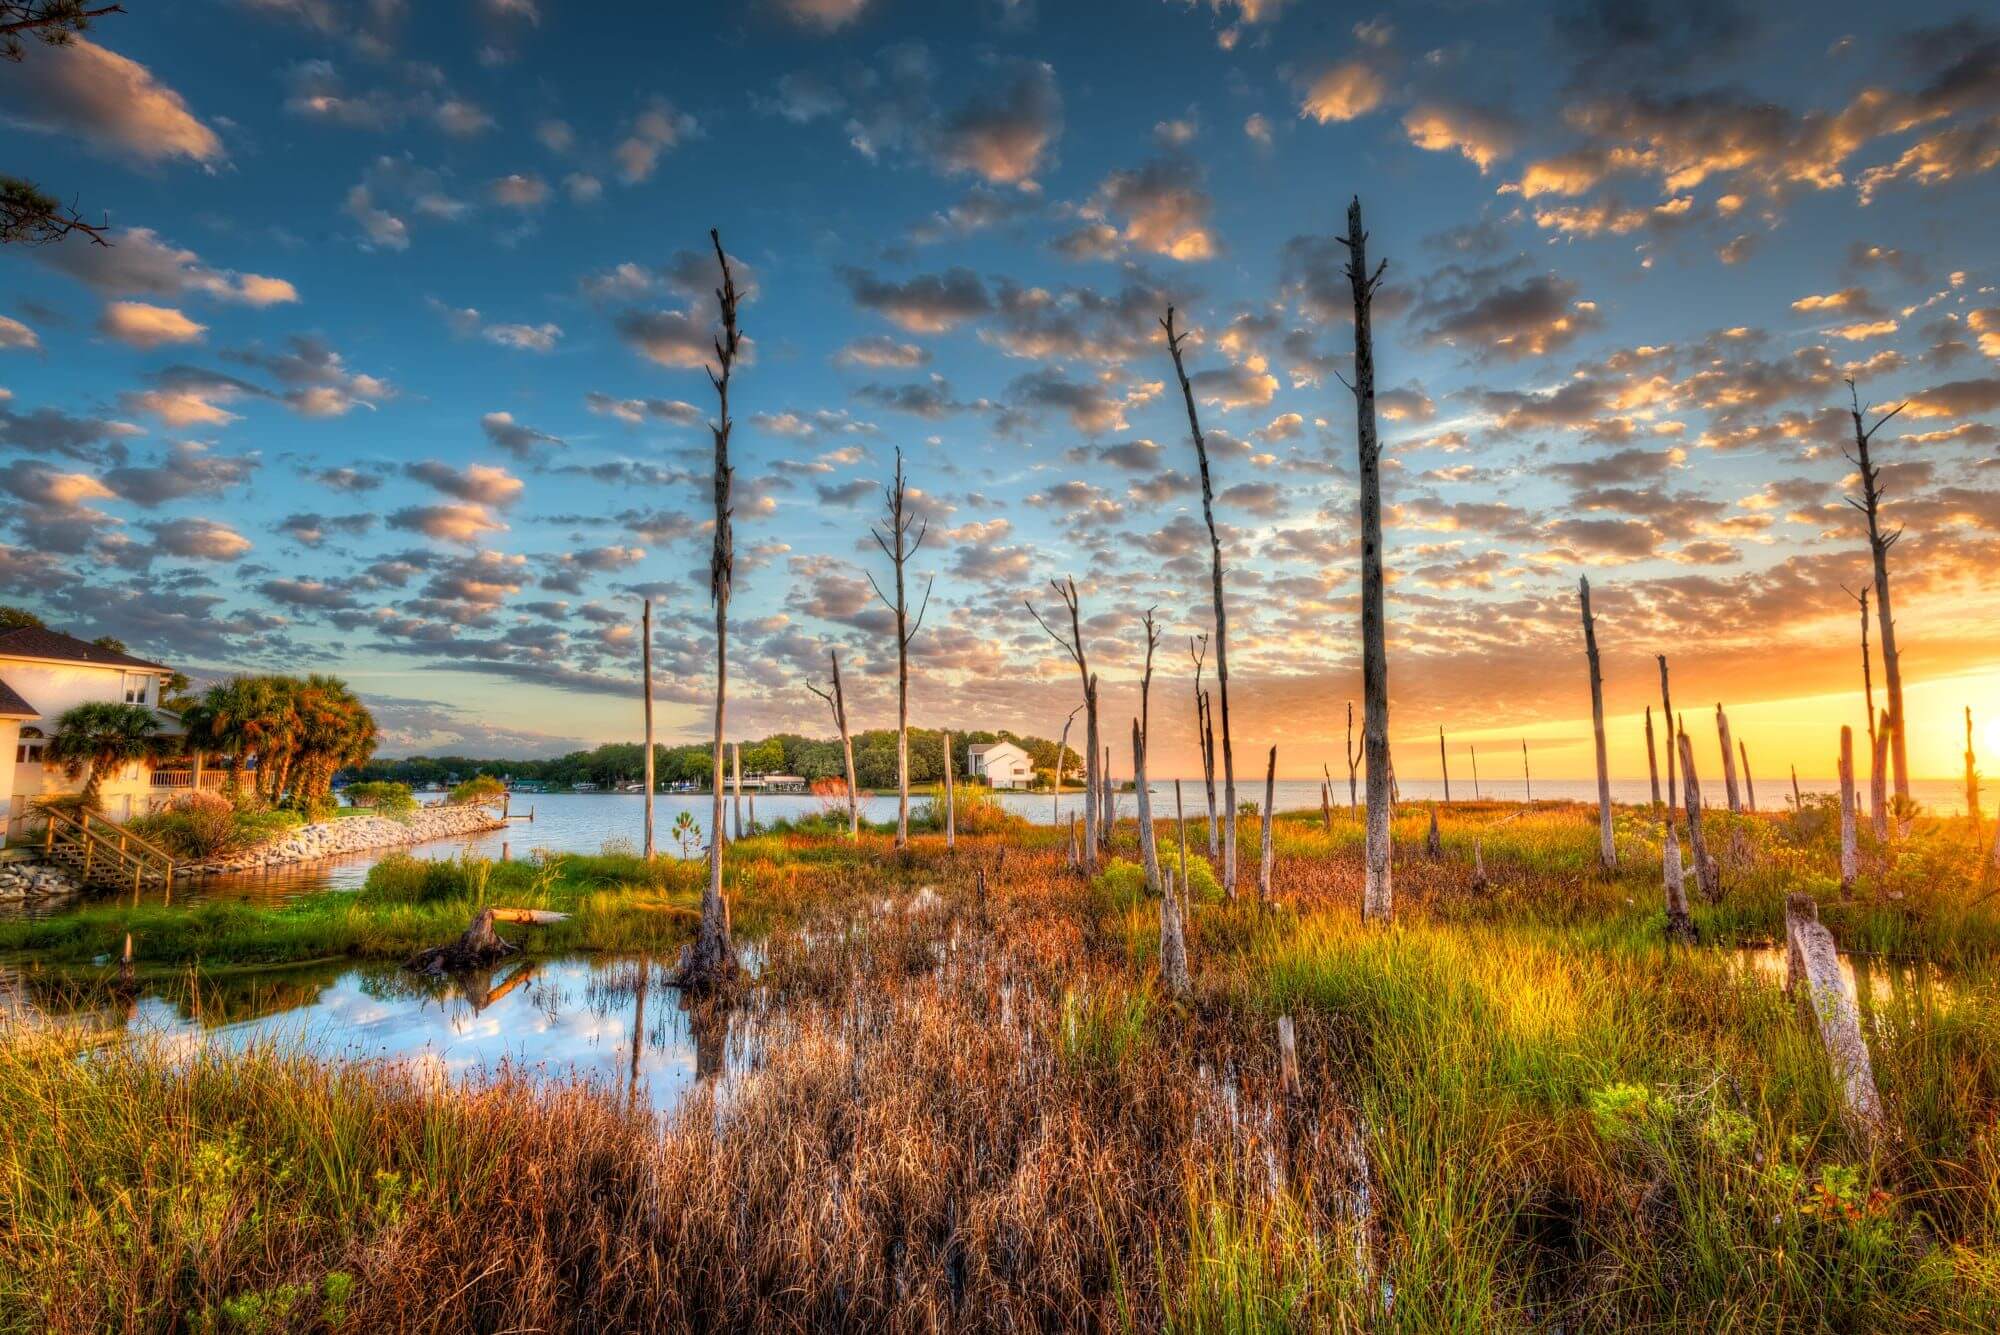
x,y
1444,766
1870,505
1652,759
836,700
1204,731
1072,644
1849,861
1729,787
736,787
1173,934
1142,731
1749,784
1878,781
1221,614
1472,750
1607,848
1062,757
1378,896
1667,716
1265,851
1707,874
646,671
898,544
710,961
1527,779
1877,777
950,801
1680,926
1433,841
1353,753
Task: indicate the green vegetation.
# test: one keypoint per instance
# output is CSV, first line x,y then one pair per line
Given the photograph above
x,y
483,789
205,825
383,799
296,732
1519,1108
810,758
102,736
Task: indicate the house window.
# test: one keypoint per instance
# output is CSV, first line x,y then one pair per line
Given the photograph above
x,y
136,685
29,751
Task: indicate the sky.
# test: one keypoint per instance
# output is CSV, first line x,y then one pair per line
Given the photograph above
x,y
395,366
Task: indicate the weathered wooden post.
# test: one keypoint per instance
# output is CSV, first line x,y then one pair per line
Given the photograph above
x,y
1707,874
1444,766
1848,859
1479,881
1527,779
1149,855
1798,798
1326,806
646,671
950,801
1749,784
1607,847
1878,781
1433,845
1827,1006
1265,851
1353,760
1173,934
1667,717
1652,759
1680,926
1290,1083
1728,760
1472,749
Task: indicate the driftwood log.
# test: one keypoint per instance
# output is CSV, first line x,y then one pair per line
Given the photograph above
x,y
478,946
1826,1003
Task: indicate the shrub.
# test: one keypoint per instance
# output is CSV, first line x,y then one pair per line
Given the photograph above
x,y
403,879
208,825
975,810
391,799
482,788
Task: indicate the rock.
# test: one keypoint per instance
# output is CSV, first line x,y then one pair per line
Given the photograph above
x,y
357,834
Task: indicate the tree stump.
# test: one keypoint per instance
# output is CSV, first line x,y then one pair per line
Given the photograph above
x,y
1680,926
1826,1003
478,946
1433,845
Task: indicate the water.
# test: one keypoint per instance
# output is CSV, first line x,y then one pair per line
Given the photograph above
x,y
550,1019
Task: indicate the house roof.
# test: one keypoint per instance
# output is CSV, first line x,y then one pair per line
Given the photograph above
x,y
983,747
13,706
54,646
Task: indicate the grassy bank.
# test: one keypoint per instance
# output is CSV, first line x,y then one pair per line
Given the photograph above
x,y
1520,1110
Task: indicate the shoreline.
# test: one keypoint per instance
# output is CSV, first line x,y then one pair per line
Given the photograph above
x,y
355,834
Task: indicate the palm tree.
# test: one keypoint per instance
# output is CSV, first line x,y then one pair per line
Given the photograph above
x,y
102,736
333,729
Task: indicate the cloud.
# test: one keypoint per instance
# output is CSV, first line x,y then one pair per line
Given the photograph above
x,y
635,411
51,431
656,130
141,325
1164,208
524,337
317,380
112,101
482,484
879,350
447,523
188,469
14,334
925,304
519,191
139,263
1091,408
820,15
1480,135
38,484
1003,137
198,539
1495,314
1343,92
516,438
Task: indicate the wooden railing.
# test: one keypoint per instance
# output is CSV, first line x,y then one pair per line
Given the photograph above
x,y
184,778
106,852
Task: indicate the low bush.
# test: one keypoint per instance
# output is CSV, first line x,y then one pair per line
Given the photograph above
x,y
388,799
205,825
481,788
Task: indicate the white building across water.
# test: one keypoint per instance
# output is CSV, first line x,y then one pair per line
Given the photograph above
x,y
1001,764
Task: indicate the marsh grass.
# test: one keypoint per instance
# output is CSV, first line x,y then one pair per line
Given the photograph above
x,y
1521,1109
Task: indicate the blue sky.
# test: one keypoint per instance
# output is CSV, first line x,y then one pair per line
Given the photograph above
x,y
393,368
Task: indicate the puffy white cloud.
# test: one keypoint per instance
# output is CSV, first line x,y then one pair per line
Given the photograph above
x,y
139,263
112,101
143,325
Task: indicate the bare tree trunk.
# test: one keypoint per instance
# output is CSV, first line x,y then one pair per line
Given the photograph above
x,y
1879,543
1728,760
1971,778
736,785
1798,799
1878,780
1353,753
1527,779
1707,874
950,801
1826,1005
1444,766
1378,895
1214,824
1680,926
1149,852
1749,784
1472,751
1062,754
1667,717
1326,805
710,961
1221,614
1849,862
899,546
1109,819
1265,851
1652,759
1433,842
1877,773
1607,848
646,671
846,749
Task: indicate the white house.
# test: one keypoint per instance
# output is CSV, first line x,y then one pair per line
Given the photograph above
x,y
44,673
1001,764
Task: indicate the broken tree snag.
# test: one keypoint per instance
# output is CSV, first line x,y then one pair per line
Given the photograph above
x,y
710,961
1326,805
646,672
1607,848
1971,779
1353,760
1879,543
1072,644
1728,760
1707,875
1527,779
1749,784
950,801
1680,926
736,784
1826,1003
1142,737
1173,934
1290,1084
1849,862
1878,782
897,543
1667,717
1264,850
1479,881
478,946
1174,340
1444,766
1378,896
1652,759
837,701
1433,845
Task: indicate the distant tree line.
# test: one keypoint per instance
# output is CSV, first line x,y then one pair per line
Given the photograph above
x,y
809,758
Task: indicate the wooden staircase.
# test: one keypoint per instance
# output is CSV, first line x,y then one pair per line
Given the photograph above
x,y
103,853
